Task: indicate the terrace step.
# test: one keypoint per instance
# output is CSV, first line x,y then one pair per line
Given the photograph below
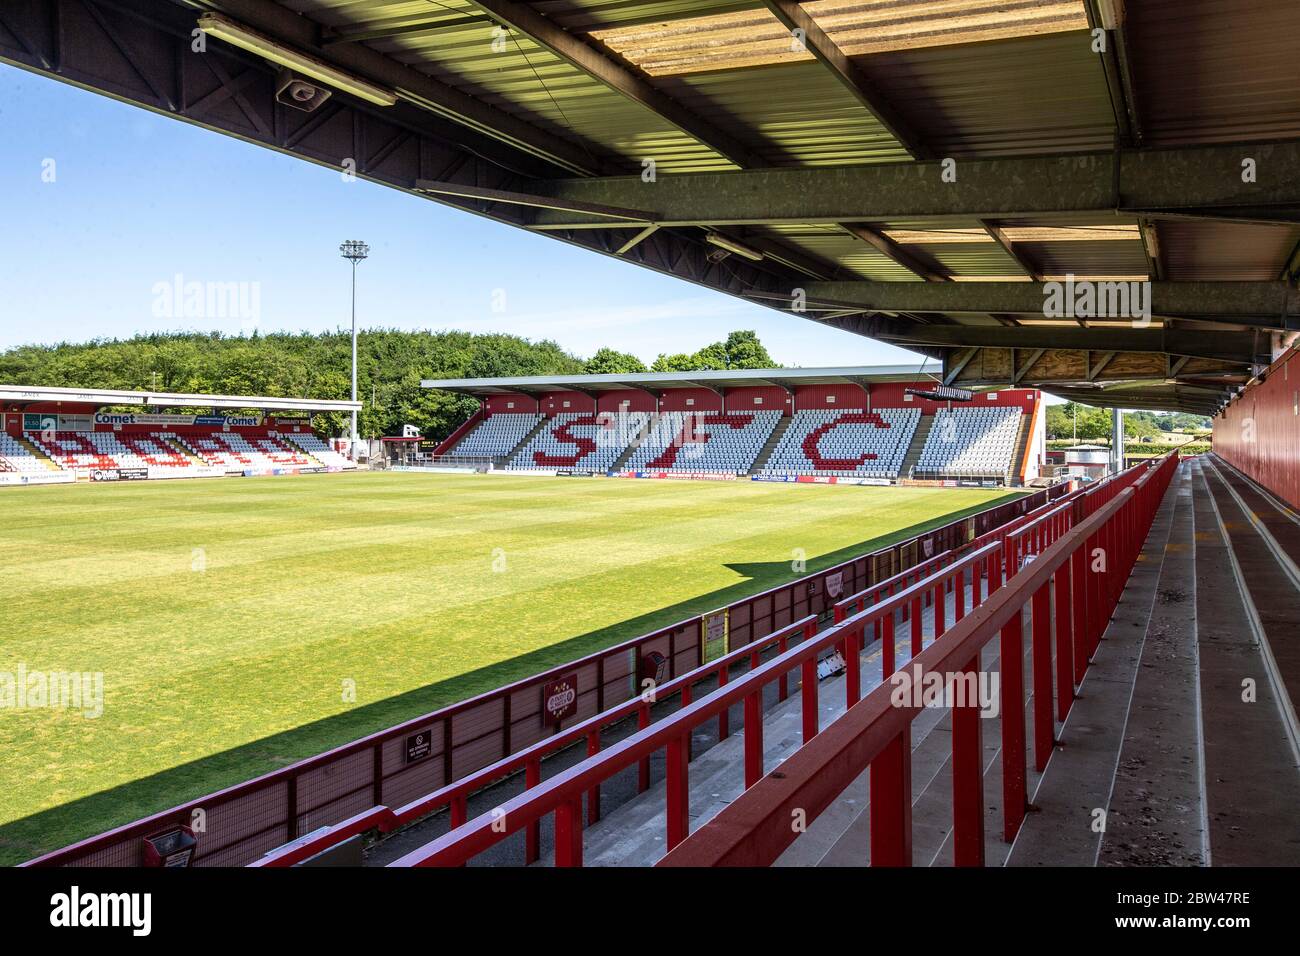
x,y
38,453
914,449
1022,444
508,458
649,428
770,446
316,462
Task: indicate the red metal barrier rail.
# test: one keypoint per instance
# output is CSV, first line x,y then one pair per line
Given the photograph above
x,y
247,820
1074,579
455,796
563,794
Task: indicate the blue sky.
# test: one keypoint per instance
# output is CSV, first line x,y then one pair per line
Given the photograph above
x,y
139,199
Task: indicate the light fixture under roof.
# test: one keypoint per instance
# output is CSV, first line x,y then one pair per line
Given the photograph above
x,y
236,34
731,245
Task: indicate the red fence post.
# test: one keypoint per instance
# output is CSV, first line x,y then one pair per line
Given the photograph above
x,y
593,795
887,665
968,777
1079,593
1012,663
808,691
724,718
890,785
1064,644
568,833
1044,729
918,634
533,836
678,792
853,666
643,766
753,738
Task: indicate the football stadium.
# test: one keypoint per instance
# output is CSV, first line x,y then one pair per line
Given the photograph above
x,y
992,561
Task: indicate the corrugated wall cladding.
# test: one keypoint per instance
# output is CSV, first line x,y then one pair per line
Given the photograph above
x,y
847,395
759,398
690,399
637,401
1259,433
553,403
511,404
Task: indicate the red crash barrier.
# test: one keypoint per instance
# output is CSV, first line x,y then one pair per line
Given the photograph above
x,y
1112,512
1077,561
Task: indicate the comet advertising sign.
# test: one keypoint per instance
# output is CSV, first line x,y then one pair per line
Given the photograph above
x,y
559,699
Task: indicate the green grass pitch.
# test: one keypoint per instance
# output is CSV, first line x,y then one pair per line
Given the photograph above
x,y
228,617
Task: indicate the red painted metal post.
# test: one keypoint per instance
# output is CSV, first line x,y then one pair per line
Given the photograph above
x,y
593,795
643,766
459,811
724,718
533,836
968,777
939,602
1044,728
1079,595
783,685
891,803
918,637
1064,643
753,738
568,833
678,792
887,665
1012,664
853,667
808,690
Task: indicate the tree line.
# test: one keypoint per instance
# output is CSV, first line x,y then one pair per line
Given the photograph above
x,y
390,365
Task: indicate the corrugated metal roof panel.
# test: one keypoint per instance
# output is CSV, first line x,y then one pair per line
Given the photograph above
x,y
1088,258
1210,71
1231,251
1006,97
803,115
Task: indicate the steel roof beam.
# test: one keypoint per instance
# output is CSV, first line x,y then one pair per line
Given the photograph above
x,y
795,18
1242,347
294,30
1262,304
619,78
1198,182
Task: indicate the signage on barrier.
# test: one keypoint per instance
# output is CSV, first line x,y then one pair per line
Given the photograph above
x,y
835,584
714,631
419,745
559,699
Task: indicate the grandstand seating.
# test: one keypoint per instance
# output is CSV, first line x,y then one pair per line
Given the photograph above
x,y
235,452
322,452
845,443
579,441
971,442
704,442
15,457
496,435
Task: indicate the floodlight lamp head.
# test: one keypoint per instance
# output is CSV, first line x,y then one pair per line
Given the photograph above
x,y
354,250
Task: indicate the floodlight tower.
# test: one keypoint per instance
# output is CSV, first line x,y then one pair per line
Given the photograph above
x,y
354,251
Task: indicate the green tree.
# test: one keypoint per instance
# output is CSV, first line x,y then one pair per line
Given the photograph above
x,y
607,361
